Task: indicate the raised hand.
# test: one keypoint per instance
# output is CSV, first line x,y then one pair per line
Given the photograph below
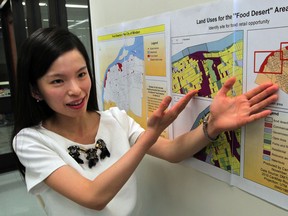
x,y
229,113
163,117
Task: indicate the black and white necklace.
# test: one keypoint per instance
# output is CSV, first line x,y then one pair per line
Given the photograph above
x,y
91,153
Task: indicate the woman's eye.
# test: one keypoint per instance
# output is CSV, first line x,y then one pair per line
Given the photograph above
x,y
82,74
57,81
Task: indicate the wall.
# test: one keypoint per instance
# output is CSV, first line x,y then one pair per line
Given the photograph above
x,y
174,189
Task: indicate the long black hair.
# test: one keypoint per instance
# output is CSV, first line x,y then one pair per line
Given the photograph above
x,y
37,54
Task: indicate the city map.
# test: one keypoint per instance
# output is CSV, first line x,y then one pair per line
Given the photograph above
x,y
123,79
273,66
206,67
132,69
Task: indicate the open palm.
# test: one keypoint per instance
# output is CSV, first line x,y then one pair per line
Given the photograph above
x,y
232,113
163,117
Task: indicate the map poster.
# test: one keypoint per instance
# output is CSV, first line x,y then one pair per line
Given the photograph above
x,y
247,40
140,62
132,63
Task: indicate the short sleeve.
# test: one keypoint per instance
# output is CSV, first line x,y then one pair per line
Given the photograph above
x,y
36,153
128,124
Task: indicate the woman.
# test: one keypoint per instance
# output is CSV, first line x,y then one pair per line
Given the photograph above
x,y
81,160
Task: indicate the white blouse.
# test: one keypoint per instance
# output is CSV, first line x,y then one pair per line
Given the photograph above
x,y
42,151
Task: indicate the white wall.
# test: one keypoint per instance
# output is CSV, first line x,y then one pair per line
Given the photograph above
x,y
173,189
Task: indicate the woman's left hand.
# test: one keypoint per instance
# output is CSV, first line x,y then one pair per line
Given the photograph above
x,y
163,117
229,113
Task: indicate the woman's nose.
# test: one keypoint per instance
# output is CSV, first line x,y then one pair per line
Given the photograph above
x,y
74,89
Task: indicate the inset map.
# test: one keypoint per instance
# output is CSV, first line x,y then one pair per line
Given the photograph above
x,y
273,66
267,61
206,66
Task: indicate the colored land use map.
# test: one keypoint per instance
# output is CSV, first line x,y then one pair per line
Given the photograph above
x,y
224,152
126,59
123,79
206,67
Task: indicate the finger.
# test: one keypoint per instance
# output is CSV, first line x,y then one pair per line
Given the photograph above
x,y
259,115
163,106
181,104
257,90
264,103
227,86
269,91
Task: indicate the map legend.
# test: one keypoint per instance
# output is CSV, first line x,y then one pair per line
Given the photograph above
x,y
267,138
270,169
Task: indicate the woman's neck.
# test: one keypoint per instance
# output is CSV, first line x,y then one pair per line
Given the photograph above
x,y
82,130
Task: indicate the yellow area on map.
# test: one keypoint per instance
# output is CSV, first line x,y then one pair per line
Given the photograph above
x,y
188,72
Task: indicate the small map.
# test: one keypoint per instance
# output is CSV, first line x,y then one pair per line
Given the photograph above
x,y
131,64
273,66
206,66
223,153
123,80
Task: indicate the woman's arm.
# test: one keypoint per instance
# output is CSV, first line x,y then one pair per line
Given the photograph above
x,y
98,193
225,114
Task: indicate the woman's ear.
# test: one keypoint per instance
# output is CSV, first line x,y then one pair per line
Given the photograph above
x,y
35,93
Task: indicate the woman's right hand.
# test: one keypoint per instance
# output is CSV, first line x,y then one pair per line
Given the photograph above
x,y
229,113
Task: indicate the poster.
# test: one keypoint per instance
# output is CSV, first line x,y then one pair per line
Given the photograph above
x,y
133,60
142,61
248,40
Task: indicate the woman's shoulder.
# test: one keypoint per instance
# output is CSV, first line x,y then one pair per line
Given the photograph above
x,y
29,130
117,115
33,134
115,112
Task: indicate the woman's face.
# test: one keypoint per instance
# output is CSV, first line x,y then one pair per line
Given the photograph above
x,y
66,85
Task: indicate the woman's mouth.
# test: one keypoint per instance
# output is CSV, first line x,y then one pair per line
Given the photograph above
x,y
76,104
